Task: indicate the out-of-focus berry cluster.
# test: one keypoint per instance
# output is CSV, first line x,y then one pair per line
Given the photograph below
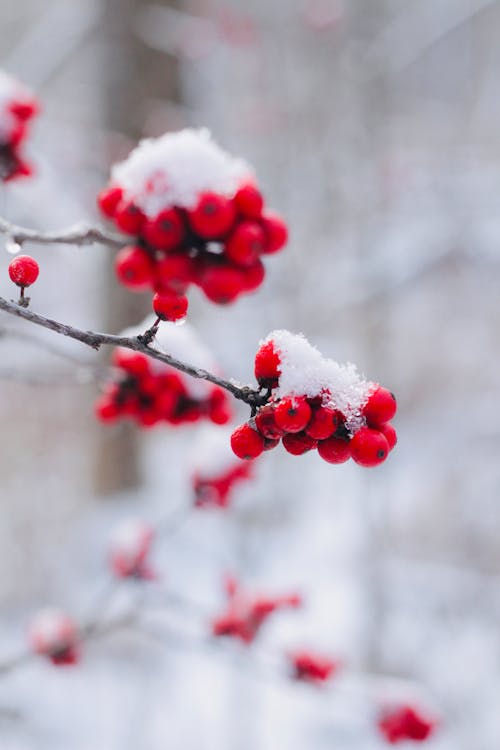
x,y
17,107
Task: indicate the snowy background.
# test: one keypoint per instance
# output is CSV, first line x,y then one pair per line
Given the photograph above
x,y
373,128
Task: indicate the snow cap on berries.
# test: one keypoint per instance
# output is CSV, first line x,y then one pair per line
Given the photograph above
x,y
176,168
51,631
305,372
130,543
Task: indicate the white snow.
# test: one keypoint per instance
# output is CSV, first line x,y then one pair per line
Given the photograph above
x,y
130,537
305,372
182,343
212,456
10,90
176,168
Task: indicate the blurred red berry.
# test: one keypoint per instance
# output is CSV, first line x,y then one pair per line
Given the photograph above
x,y
134,268
276,232
128,217
334,450
249,202
166,231
213,216
108,200
246,243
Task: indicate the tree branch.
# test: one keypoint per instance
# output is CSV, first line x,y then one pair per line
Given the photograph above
x,y
79,234
250,396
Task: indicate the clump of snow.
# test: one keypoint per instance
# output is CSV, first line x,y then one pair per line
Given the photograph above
x,y
212,454
130,538
176,168
50,629
305,372
184,344
10,91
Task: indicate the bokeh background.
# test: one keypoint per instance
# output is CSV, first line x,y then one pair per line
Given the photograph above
x,y
373,128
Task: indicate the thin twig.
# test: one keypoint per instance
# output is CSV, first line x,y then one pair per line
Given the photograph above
x,y
95,340
79,234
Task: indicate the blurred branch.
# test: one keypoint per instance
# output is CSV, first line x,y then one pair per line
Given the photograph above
x,y
79,234
250,396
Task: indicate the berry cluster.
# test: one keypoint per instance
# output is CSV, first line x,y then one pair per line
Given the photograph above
x,y
197,217
215,471
150,392
245,615
130,546
316,403
405,722
55,635
313,668
17,108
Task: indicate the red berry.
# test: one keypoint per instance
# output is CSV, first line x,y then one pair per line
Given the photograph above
x,y
369,447
134,268
222,284
166,231
170,306
106,410
128,217
389,433
334,450
298,443
249,202
213,216
24,109
246,442
246,243
108,200
292,413
174,272
23,270
132,362
266,423
276,232
253,276
323,423
380,407
267,365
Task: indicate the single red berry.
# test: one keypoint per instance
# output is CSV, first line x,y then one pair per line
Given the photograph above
x,y
134,268
292,413
276,232
249,202
298,443
246,243
213,216
369,447
106,410
174,272
222,284
108,200
266,423
253,276
389,433
246,442
170,306
267,365
380,407
166,231
23,270
129,217
323,423
334,450
25,109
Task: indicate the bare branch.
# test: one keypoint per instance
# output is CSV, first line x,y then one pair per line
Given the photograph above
x,y
79,234
250,396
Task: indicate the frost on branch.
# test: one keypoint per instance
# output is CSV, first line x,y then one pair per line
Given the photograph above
x,y
17,107
55,635
196,216
215,469
150,392
316,403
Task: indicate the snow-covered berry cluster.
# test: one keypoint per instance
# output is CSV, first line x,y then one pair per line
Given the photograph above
x,y
311,667
245,614
150,392
399,723
316,403
17,107
197,217
215,470
54,634
129,548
